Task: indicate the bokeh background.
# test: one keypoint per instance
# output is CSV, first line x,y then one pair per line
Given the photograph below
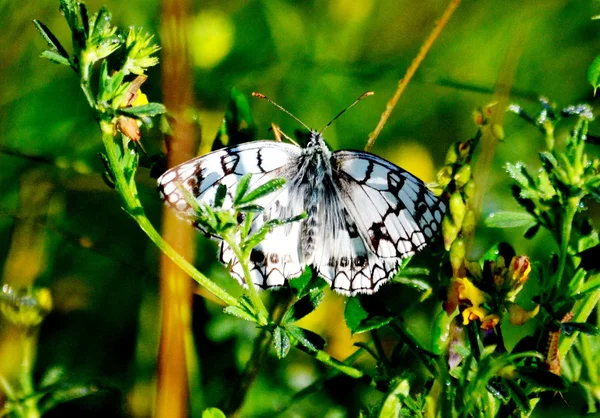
x,y
62,228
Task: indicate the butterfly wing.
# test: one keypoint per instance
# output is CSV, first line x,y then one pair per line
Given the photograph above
x,y
276,258
387,214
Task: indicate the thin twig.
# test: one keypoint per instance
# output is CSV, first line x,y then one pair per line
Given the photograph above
x,y
411,71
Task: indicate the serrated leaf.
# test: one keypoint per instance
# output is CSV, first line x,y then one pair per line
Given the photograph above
x,y
263,190
242,187
354,314
55,57
509,220
241,313
307,338
307,282
146,110
303,307
51,39
542,378
213,413
281,341
593,73
519,173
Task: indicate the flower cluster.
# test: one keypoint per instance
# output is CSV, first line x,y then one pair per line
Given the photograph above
x,y
486,292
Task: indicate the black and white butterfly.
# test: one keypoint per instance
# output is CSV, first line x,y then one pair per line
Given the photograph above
x,y
365,214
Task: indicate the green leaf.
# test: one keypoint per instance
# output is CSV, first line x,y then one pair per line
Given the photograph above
x,y
359,320
519,173
213,413
307,338
589,286
303,307
354,314
263,190
532,231
149,110
307,282
220,195
518,395
542,378
52,41
238,125
391,405
242,187
241,312
593,74
509,220
281,341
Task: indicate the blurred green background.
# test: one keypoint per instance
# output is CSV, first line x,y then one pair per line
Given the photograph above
x,y
312,57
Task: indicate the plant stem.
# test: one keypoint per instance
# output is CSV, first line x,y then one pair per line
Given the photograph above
x,y
134,208
263,315
581,311
565,238
323,357
412,69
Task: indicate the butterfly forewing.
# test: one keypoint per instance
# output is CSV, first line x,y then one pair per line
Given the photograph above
x,y
276,258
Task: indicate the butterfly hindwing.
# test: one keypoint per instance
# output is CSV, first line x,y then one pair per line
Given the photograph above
x,y
388,214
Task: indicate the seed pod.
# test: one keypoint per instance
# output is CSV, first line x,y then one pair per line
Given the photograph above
x,y
457,208
457,255
468,224
470,189
449,231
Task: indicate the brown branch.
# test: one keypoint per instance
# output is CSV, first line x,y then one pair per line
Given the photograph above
x,y
411,71
175,285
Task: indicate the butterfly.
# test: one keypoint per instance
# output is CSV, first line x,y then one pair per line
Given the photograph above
x,y
364,215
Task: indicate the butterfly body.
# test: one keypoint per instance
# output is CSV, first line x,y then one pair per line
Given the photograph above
x,y
364,214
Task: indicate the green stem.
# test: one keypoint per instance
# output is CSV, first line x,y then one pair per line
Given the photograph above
x,y
565,238
325,358
425,356
257,302
133,207
581,311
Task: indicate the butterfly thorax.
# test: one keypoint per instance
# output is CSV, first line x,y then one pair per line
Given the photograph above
x,y
314,176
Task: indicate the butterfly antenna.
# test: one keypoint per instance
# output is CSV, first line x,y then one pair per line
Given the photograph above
x,y
362,96
262,96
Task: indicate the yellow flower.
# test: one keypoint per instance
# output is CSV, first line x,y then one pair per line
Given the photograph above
x,y
465,294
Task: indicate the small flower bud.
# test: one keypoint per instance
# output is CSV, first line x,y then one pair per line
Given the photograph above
x,y
457,208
